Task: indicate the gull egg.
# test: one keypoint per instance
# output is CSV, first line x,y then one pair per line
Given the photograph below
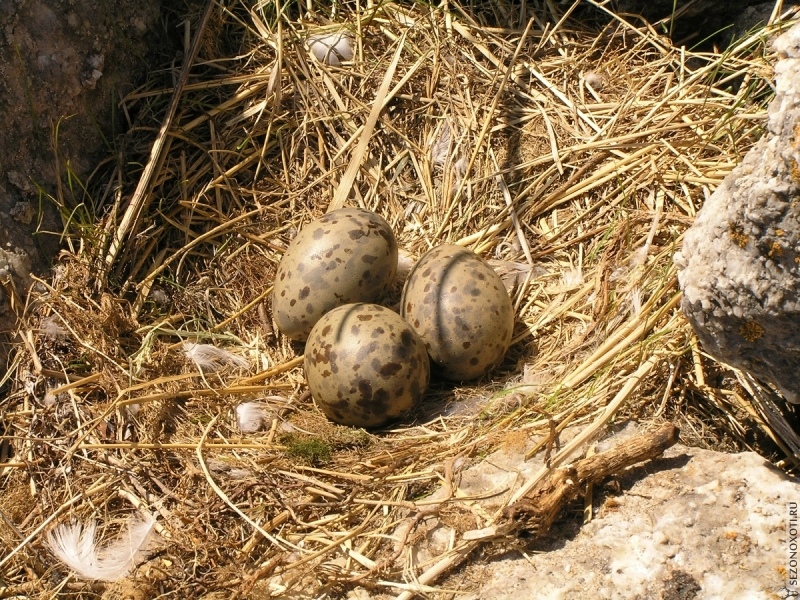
x,y
365,366
348,255
460,308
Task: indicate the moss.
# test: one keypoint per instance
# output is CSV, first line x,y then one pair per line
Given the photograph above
x,y
351,438
312,450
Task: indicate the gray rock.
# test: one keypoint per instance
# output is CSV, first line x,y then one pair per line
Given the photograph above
x,y
740,261
694,524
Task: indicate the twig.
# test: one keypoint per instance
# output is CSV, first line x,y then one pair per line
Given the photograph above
x,y
539,508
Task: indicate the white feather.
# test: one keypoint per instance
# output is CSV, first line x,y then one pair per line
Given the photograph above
x,y
211,358
52,329
573,278
75,546
251,416
441,147
331,48
636,300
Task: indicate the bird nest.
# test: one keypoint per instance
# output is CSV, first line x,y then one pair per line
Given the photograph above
x,y
147,379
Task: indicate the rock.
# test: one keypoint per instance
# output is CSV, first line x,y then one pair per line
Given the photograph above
x,y
22,212
701,21
63,66
694,524
740,260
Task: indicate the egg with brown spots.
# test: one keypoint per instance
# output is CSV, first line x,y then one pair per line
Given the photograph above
x,y
365,366
460,308
348,255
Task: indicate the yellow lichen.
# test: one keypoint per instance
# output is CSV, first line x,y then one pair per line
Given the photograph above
x,y
751,331
795,170
738,235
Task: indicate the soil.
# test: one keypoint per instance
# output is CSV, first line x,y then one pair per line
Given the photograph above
x,y
64,65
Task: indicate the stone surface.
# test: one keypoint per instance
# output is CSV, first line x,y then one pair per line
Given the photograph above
x,y
740,261
63,67
694,524
702,21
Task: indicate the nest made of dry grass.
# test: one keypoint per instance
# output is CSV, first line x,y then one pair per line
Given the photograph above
x,y
571,153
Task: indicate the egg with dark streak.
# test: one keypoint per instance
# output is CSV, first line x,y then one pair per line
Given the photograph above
x,y
460,308
348,255
365,365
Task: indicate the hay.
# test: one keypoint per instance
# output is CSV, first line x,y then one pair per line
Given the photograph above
x,y
572,154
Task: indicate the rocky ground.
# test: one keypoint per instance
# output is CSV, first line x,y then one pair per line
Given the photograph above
x,y
64,66
694,524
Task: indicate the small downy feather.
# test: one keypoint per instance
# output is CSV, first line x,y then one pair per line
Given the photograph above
x,y
441,151
251,416
74,545
441,147
331,48
49,327
211,358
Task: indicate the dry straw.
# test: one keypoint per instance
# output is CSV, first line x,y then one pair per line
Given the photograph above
x,y
571,148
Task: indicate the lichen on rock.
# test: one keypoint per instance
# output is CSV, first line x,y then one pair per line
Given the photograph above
x,y
740,261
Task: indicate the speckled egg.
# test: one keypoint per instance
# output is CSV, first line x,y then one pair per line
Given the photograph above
x,y
348,255
365,366
460,308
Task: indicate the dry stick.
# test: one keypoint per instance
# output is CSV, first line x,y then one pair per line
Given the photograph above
x,y
193,393
537,510
242,386
76,384
271,372
140,196
178,446
589,433
501,182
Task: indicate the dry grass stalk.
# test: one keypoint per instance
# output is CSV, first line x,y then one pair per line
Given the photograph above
x,y
571,154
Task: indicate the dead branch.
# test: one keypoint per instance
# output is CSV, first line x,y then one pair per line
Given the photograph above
x,y
536,512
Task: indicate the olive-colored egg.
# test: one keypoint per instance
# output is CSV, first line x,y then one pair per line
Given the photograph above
x,y
365,366
460,308
348,255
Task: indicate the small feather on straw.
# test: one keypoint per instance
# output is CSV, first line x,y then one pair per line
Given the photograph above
x,y
513,273
74,545
441,147
573,278
252,416
49,327
636,300
211,358
331,48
